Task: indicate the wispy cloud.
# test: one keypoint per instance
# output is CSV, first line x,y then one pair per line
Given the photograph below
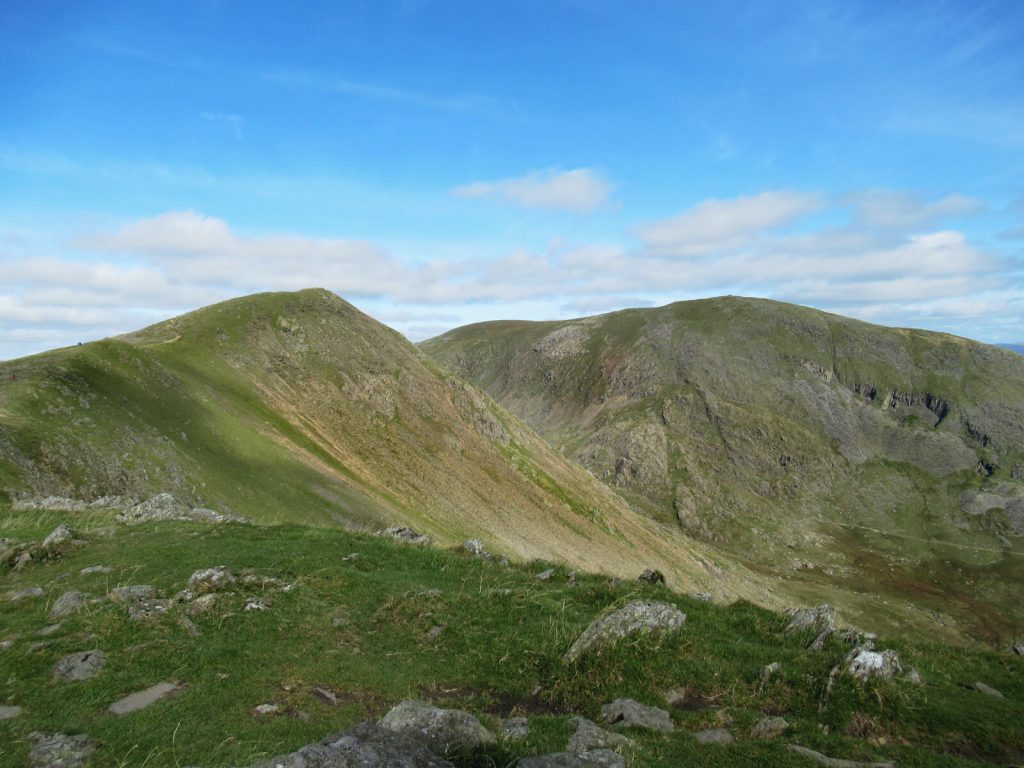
x,y
581,190
231,121
463,102
719,224
888,209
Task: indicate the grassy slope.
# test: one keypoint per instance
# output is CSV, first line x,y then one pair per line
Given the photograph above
x,y
499,654
298,408
742,417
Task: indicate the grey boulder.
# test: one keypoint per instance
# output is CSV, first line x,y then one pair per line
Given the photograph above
x,y
864,664
634,618
589,736
714,736
440,729
60,750
367,745
627,713
79,666
769,728
596,758
67,604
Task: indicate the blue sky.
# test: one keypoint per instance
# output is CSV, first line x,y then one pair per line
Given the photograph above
x,y
438,163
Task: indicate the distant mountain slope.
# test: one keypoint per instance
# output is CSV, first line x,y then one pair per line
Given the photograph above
x,y
838,457
1018,348
298,407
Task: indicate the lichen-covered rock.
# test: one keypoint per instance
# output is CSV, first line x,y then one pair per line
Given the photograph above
x,y
67,604
515,728
714,736
132,593
406,534
627,713
769,728
211,579
367,745
595,758
79,666
634,618
62,534
164,506
864,664
23,594
820,619
60,750
440,729
589,736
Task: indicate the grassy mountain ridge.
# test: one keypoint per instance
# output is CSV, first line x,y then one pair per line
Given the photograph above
x,y
877,466
296,407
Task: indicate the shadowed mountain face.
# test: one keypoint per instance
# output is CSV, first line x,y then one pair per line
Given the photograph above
x,y
299,408
876,467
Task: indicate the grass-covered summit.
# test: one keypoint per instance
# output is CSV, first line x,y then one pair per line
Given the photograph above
x,y
296,407
879,467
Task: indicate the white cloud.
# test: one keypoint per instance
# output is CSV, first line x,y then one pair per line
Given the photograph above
x,y
888,209
115,281
581,190
714,225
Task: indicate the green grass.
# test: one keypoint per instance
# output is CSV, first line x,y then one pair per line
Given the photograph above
x,y
499,654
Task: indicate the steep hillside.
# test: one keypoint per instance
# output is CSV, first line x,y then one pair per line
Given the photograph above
x,y
299,408
879,467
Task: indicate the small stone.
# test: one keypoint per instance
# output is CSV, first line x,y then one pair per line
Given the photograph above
x,y
95,569
189,626
79,666
987,690
47,631
714,736
42,645
652,576
515,728
571,577
267,709
769,728
627,713
863,664
142,699
589,736
821,619
6,643
545,575
350,557
406,534
6,713
143,610
132,593
434,633
340,621
703,597
327,695
202,604
62,534
475,547
595,758
67,604
24,594
257,604
913,677
211,579
60,750
769,671
1018,648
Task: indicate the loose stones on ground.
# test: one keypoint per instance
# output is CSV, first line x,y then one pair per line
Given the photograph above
x,y
67,604
6,713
